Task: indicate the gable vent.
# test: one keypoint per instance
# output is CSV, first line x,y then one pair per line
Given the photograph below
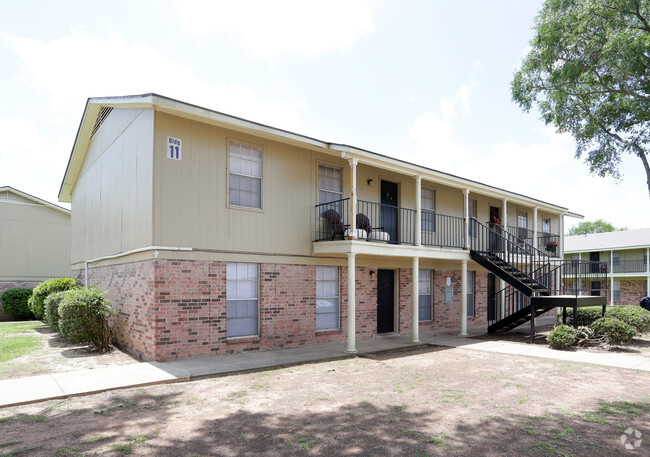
x,y
103,114
10,197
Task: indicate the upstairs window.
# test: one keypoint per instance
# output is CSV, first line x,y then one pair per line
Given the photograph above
x,y
245,166
330,188
428,204
546,225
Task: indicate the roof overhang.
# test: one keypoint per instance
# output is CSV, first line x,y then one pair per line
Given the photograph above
x,y
34,199
190,111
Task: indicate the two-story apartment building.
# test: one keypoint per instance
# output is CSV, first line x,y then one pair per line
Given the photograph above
x,y
34,241
626,255
215,234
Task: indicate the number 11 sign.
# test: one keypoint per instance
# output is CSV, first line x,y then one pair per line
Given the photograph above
x,y
174,148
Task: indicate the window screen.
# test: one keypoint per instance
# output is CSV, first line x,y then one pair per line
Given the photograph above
x,y
327,298
245,175
425,296
242,303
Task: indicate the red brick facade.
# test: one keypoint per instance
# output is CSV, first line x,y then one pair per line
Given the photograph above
x,y
632,291
167,309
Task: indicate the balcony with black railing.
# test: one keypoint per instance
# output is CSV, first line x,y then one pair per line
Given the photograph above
x,y
628,266
388,224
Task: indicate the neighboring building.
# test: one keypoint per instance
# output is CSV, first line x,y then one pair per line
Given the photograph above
x,y
214,234
34,240
626,254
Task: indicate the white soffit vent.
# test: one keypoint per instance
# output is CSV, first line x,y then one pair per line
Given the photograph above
x,y
7,196
103,114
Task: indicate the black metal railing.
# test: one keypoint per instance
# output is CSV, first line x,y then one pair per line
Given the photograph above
x,y
508,301
332,219
397,222
494,241
522,233
629,266
442,230
581,277
549,242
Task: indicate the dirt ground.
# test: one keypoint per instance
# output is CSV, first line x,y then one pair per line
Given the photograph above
x,y
58,355
425,401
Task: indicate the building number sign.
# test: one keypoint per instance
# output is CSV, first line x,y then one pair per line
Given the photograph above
x,y
174,148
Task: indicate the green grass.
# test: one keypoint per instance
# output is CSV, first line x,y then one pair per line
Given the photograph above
x,y
18,338
94,439
11,328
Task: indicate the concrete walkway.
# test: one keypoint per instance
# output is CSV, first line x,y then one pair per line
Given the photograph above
x,y
84,382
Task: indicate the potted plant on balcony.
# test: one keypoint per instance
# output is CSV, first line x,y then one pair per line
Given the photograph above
x,y
495,223
551,247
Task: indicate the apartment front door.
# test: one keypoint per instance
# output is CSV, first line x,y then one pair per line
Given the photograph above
x,y
389,209
385,301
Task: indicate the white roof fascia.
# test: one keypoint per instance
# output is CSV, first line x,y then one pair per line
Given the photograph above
x,y
34,199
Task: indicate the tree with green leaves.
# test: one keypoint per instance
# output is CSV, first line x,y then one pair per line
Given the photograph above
x,y
587,227
588,73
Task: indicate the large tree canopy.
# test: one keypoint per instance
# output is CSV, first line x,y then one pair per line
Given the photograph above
x,y
598,226
587,73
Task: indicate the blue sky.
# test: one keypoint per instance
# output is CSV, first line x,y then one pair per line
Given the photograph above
x,y
424,81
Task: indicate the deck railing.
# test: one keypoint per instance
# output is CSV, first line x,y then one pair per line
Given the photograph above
x,y
399,223
629,266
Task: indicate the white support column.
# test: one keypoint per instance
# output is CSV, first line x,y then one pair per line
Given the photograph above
x,y
352,306
504,221
463,299
611,278
502,300
561,243
418,211
415,326
535,229
353,199
466,215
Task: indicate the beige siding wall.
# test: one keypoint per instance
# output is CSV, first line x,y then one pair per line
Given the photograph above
x,y
34,242
112,198
191,206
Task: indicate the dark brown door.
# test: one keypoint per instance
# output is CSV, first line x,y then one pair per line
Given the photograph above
x,y
491,299
385,301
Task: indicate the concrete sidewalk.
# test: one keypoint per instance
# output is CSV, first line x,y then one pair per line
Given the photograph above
x,y
84,382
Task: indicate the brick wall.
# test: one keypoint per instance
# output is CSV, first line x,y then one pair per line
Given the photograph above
x,y
632,291
167,309
6,285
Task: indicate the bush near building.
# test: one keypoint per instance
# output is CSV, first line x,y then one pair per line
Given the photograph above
x,y
44,289
84,315
15,303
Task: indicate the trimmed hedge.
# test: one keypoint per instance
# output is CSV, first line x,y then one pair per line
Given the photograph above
x,y
633,315
562,336
586,315
41,292
52,303
614,331
83,318
15,302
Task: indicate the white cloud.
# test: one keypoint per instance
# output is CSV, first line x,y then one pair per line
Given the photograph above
x,y
463,96
448,108
70,69
477,65
31,158
435,144
267,28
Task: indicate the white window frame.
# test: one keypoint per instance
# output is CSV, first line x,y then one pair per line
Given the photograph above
x,y
229,298
425,300
546,225
617,290
428,222
471,293
321,188
231,173
320,268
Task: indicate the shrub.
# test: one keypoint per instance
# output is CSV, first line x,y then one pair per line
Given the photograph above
x,y
614,331
562,336
83,317
586,315
37,300
635,316
52,303
15,303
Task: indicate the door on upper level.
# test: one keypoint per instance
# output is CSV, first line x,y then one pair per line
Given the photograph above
x,y
389,218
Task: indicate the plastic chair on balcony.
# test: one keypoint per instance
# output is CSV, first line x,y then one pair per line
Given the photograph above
x,y
373,233
335,223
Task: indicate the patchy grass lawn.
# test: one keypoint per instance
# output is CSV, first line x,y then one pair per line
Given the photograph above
x,y
427,401
19,338
31,348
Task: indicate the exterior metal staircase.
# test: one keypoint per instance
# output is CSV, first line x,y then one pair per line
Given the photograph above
x,y
536,281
